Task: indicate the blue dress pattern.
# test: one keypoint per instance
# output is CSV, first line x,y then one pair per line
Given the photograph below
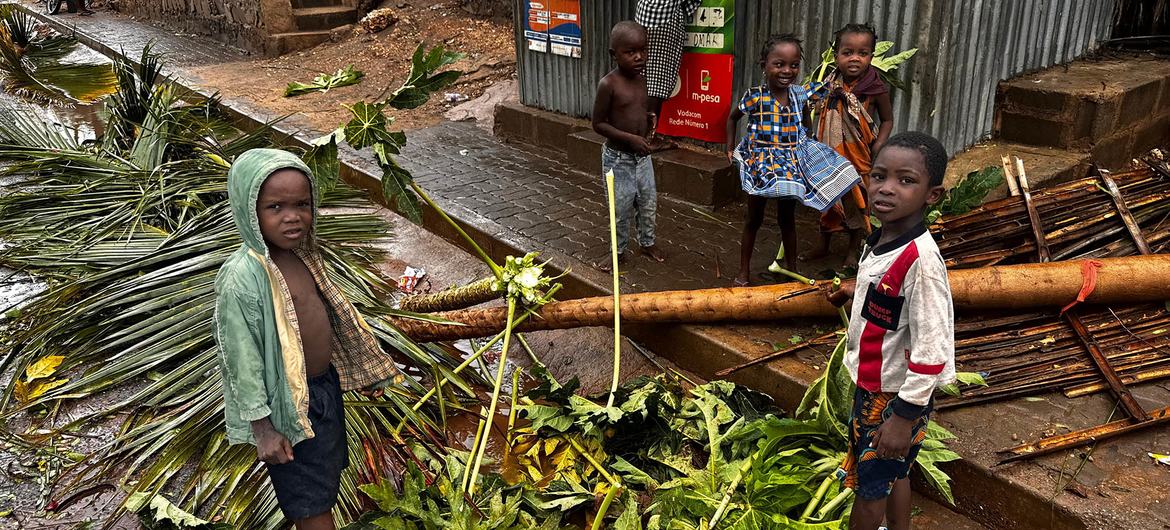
x,y
777,158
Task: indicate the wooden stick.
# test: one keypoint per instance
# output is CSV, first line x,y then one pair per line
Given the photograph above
x,y
1118,388
1007,175
1134,231
823,339
1138,377
1084,437
1033,215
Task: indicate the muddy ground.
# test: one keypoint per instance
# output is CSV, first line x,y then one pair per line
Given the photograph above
x,y
384,57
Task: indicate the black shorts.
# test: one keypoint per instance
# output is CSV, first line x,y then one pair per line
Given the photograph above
x,y
308,485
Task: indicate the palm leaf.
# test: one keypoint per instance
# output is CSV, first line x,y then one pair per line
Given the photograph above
x,y
129,234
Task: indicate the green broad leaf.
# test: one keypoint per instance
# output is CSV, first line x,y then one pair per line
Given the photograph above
x,y
409,98
928,461
882,47
546,417
396,190
630,519
892,62
951,390
631,474
550,389
323,82
971,190
156,512
383,494
970,378
322,161
368,125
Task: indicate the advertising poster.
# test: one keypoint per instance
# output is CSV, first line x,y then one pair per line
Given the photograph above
x,y
702,99
536,17
564,27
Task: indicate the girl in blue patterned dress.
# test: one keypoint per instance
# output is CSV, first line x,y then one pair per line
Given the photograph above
x,y
777,159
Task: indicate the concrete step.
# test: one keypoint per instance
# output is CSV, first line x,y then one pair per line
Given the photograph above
x,y
700,178
1112,108
301,4
684,174
324,18
1045,165
282,43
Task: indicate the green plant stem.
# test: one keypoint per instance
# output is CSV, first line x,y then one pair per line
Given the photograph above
x,y
596,465
835,504
512,409
617,307
722,509
840,310
478,353
481,442
794,276
817,497
471,456
613,490
497,271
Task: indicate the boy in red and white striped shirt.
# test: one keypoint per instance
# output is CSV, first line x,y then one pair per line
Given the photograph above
x,y
901,334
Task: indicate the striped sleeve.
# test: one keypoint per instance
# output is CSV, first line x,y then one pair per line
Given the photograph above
x,y
932,335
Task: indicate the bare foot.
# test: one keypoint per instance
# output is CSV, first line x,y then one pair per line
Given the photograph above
x,y
654,253
607,266
742,279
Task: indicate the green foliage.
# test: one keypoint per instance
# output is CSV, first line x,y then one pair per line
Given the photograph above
x,y
886,66
368,126
157,513
967,193
323,82
128,231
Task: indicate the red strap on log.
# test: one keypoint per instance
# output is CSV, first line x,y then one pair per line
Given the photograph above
x,y
1089,282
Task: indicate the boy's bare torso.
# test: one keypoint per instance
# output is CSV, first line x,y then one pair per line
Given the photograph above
x,y
628,107
312,315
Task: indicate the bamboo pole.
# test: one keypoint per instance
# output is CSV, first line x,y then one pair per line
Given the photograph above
x,y
1034,285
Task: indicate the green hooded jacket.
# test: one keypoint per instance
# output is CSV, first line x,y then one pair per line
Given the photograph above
x,y
261,359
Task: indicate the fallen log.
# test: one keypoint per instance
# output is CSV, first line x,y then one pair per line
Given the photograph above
x,y
1033,285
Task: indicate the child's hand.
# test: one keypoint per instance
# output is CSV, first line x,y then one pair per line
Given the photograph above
x,y
640,144
371,392
892,439
842,295
271,446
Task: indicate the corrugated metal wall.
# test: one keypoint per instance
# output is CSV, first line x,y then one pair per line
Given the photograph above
x,y
964,49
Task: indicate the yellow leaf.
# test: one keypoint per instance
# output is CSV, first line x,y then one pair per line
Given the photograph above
x,y
20,390
43,368
1159,331
40,386
550,446
1047,340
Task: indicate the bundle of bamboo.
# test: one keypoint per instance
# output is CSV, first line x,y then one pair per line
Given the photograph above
x,y
1079,219
1032,353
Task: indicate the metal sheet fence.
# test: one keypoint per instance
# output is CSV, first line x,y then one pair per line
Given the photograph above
x,y
964,49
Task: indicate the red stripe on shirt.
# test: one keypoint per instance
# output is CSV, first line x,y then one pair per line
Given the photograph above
x,y
925,369
869,348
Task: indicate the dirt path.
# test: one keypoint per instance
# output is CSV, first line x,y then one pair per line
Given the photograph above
x,y
384,57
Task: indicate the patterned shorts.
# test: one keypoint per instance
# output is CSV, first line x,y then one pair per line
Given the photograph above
x,y
871,477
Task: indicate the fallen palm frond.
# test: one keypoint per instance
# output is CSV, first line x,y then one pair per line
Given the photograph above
x,y
323,82
129,233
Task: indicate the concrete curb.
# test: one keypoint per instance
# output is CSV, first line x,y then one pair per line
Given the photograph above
x,y
982,495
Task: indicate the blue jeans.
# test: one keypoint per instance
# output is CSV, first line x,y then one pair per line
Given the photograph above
x,y
633,189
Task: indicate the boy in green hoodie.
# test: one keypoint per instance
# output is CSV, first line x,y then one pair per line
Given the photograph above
x,y
289,342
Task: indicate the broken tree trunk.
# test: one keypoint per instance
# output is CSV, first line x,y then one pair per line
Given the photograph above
x,y
1129,280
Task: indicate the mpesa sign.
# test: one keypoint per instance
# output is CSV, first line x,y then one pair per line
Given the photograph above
x,y
702,100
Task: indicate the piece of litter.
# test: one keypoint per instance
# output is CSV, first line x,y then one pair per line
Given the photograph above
x,y
452,97
463,152
410,278
1161,459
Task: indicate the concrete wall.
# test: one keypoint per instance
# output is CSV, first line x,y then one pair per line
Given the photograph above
x,y
246,24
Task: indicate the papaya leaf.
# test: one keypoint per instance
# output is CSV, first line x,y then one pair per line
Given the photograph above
x,y
323,82
322,161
